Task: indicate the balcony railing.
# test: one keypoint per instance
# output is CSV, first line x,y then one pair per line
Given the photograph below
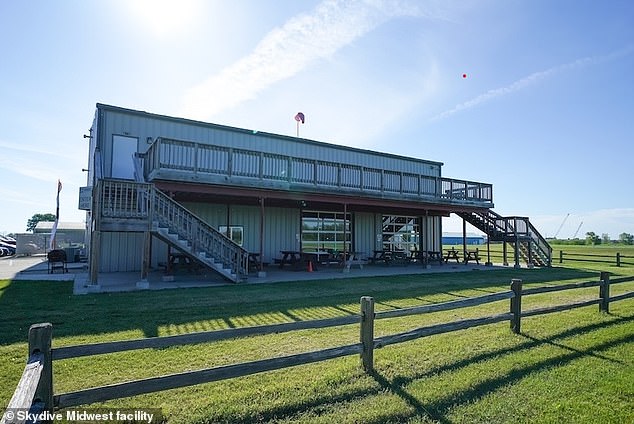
x,y
239,166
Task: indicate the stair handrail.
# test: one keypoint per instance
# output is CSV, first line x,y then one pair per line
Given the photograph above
x,y
144,202
514,226
541,242
203,236
528,229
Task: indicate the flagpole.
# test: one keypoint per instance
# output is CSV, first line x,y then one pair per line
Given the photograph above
x,y
53,241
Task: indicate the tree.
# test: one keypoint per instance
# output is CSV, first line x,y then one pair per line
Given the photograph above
x,y
626,238
39,217
592,238
605,237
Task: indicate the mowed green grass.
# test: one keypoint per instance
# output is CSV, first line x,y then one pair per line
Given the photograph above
x,y
574,366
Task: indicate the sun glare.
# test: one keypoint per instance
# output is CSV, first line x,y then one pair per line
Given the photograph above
x,y
165,17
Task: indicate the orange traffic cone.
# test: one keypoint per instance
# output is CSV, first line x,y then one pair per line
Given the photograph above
x,y
310,266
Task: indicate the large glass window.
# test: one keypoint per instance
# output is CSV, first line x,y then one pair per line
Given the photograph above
x,y
401,233
326,231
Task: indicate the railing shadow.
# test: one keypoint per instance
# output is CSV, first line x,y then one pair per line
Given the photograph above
x,y
437,410
31,302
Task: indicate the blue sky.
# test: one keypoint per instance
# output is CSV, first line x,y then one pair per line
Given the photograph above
x,y
545,113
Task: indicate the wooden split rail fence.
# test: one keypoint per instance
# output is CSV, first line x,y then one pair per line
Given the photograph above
x,y
617,259
35,389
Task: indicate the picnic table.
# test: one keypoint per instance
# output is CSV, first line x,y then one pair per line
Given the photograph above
x,y
379,256
254,261
472,255
354,258
290,257
452,254
390,256
181,260
316,257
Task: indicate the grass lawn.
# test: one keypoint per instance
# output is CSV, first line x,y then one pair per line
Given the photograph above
x,y
574,366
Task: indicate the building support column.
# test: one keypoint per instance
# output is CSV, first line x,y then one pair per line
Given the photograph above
x,y
488,262
261,272
95,239
95,245
147,244
346,267
228,233
530,254
517,252
464,240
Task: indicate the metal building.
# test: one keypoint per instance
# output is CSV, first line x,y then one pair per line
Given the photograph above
x,y
235,199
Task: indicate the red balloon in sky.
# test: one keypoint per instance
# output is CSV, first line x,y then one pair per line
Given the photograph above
x,y
464,75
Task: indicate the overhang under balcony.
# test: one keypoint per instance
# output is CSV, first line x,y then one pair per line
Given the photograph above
x,y
307,199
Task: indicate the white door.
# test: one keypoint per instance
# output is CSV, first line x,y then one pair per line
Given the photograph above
x,y
123,150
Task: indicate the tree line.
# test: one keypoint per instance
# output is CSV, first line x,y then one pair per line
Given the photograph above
x,y
594,239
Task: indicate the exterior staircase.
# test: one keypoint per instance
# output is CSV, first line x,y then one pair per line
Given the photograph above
x,y
523,237
181,229
143,205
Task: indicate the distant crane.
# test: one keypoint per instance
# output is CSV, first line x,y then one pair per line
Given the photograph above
x,y
562,224
578,228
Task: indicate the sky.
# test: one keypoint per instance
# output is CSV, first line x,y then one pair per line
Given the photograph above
x,y
535,97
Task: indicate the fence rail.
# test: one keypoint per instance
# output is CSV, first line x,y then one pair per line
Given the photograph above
x,y
617,259
35,389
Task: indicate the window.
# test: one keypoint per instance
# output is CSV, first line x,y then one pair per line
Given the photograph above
x,y
326,231
236,233
400,232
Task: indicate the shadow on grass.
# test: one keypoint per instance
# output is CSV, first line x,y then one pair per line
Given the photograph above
x,y
27,302
437,410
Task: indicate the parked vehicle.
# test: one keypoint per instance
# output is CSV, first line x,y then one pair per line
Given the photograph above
x,y
7,249
7,239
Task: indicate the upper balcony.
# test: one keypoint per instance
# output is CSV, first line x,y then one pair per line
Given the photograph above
x,y
186,161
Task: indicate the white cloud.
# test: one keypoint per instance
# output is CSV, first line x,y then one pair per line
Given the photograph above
x,y
287,50
532,79
45,166
35,148
18,196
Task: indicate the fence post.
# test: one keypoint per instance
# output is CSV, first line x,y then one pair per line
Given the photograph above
x,y
618,259
604,292
561,256
367,333
516,305
40,336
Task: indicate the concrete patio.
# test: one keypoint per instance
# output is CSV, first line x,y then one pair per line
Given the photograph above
x,y
36,268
